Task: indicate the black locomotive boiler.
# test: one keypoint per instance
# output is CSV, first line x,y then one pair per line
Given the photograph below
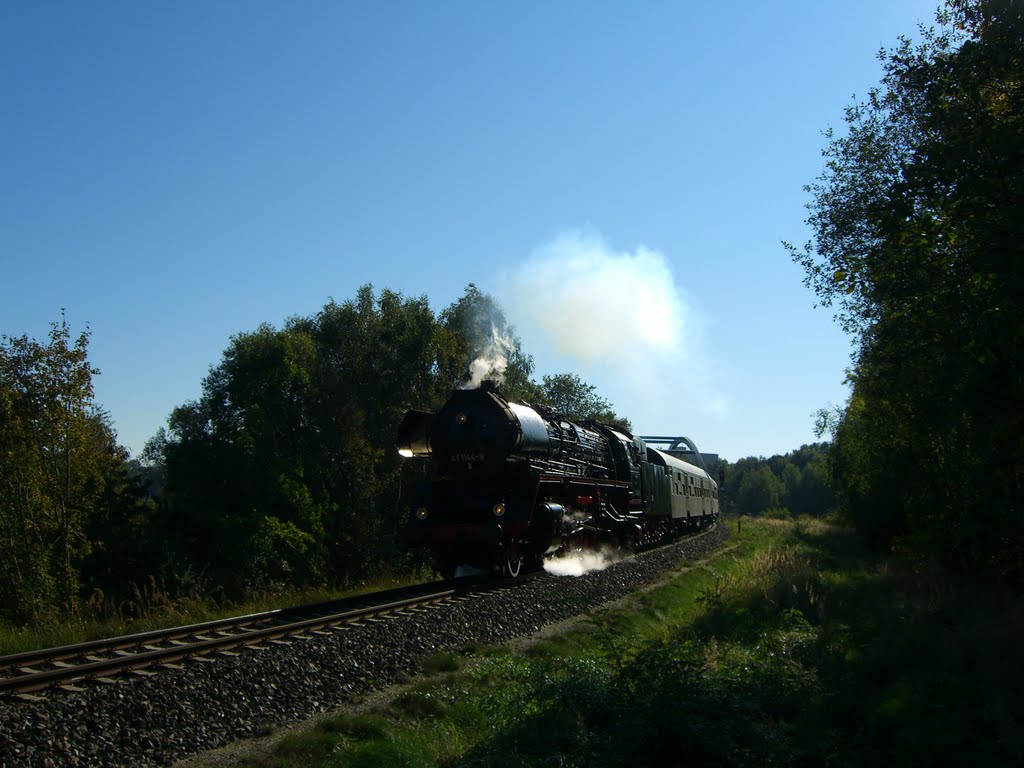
x,y
512,483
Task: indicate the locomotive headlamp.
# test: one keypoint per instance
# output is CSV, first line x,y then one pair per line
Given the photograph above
x,y
421,513
461,418
499,509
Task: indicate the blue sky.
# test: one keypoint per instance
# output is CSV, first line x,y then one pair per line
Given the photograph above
x,y
175,173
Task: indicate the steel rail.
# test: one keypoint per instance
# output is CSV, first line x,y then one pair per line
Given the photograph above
x,y
30,680
106,645
38,679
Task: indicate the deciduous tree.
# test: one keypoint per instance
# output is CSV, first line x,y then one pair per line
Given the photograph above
x,y
284,471
918,224
574,398
57,455
478,331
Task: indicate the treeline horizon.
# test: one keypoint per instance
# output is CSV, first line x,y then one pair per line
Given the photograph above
x,y
793,484
282,474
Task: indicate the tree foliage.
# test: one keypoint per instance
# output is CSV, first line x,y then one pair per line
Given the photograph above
x,y
796,483
568,394
58,462
477,332
285,457
918,224
760,490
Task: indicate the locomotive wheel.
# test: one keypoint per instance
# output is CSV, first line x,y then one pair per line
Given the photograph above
x,y
513,560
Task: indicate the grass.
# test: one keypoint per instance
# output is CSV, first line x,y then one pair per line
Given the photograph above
x,y
150,608
793,646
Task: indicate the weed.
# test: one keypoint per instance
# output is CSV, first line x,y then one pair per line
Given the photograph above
x,y
358,727
441,661
420,704
611,641
711,597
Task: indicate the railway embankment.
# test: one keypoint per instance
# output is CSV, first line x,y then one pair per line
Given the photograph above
x,y
792,645
156,719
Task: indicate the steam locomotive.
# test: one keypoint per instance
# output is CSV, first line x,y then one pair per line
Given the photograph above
x,y
513,483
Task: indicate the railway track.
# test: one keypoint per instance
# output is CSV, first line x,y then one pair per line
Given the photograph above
x,y
145,652
157,719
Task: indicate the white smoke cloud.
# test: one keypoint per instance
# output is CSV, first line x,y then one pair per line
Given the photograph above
x,y
602,306
491,361
622,321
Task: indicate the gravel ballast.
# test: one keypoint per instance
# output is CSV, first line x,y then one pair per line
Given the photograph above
x,y
159,718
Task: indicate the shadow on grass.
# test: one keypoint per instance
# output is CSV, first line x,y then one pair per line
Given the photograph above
x,y
825,655
671,714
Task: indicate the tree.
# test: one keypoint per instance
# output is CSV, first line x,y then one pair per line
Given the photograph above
x,y
237,464
480,344
285,470
568,394
126,541
918,224
57,457
759,490
798,482
379,357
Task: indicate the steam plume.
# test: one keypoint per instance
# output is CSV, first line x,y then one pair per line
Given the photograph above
x,y
492,360
622,320
571,287
579,563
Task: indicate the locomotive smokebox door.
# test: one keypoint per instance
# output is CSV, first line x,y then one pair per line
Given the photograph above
x,y
473,434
